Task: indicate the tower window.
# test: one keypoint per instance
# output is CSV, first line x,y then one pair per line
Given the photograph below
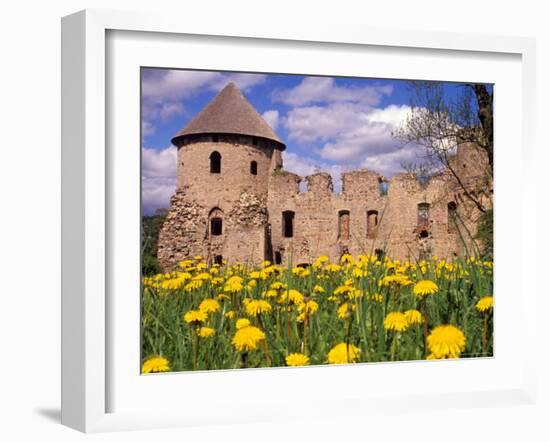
x,y
216,226
451,217
288,223
215,162
372,223
343,225
216,221
218,259
254,168
278,258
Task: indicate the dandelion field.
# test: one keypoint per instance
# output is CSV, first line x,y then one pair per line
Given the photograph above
x,y
358,310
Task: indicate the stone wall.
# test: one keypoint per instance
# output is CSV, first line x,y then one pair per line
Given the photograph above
x,y
323,223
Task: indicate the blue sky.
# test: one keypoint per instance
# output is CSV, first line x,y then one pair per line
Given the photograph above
x,y
328,123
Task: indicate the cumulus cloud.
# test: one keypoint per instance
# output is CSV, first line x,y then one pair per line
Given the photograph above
x,y
272,118
352,133
172,85
158,178
325,90
165,91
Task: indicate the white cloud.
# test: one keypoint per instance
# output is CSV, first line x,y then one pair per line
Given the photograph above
x,y
165,91
272,118
324,90
352,133
173,85
158,178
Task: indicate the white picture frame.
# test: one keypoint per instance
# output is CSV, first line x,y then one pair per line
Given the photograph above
x,y
87,215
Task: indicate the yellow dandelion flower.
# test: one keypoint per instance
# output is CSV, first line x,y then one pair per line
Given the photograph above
x,y
155,364
396,279
195,317
318,289
209,305
256,307
424,288
484,304
206,332
242,322
254,274
413,317
247,338
278,285
396,321
296,360
265,264
230,314
343,354
446,341
345,310
293,296
308,307
195,284
346,258
233,284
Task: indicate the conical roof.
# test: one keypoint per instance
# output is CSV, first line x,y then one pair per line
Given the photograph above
x,y
228,113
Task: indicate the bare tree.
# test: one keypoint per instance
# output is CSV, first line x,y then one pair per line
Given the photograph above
x,y
439,123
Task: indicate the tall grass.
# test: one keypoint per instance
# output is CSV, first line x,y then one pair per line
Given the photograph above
x,y
370,288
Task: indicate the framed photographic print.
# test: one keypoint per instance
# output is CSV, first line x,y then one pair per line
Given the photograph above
x,y
254,212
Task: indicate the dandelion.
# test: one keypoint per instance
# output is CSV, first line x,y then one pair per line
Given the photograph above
x,y
446,341
424,288
257,307
195,317
230,314
209,305
318,289
206,332
345,310
233,284
241,323
155,364
247,338
308,307
343,354
413,317
396,321
484,304
296,360
293,296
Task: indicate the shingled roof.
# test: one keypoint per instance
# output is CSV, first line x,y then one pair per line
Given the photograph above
x,y
228,113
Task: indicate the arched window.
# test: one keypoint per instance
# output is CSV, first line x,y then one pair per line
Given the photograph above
x,y
215,162
216,222
343,225
423,215
372,223
451,217
288,223
254,168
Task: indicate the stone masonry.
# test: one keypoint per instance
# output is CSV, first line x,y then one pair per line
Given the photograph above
x,y
235,202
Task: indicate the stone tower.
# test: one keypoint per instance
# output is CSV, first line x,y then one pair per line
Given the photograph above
x,y
226,155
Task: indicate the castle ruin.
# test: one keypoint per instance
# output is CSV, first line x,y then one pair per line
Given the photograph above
x,y
235,202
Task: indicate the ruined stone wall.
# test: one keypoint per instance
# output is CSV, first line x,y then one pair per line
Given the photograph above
x,y
399,233
324,223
